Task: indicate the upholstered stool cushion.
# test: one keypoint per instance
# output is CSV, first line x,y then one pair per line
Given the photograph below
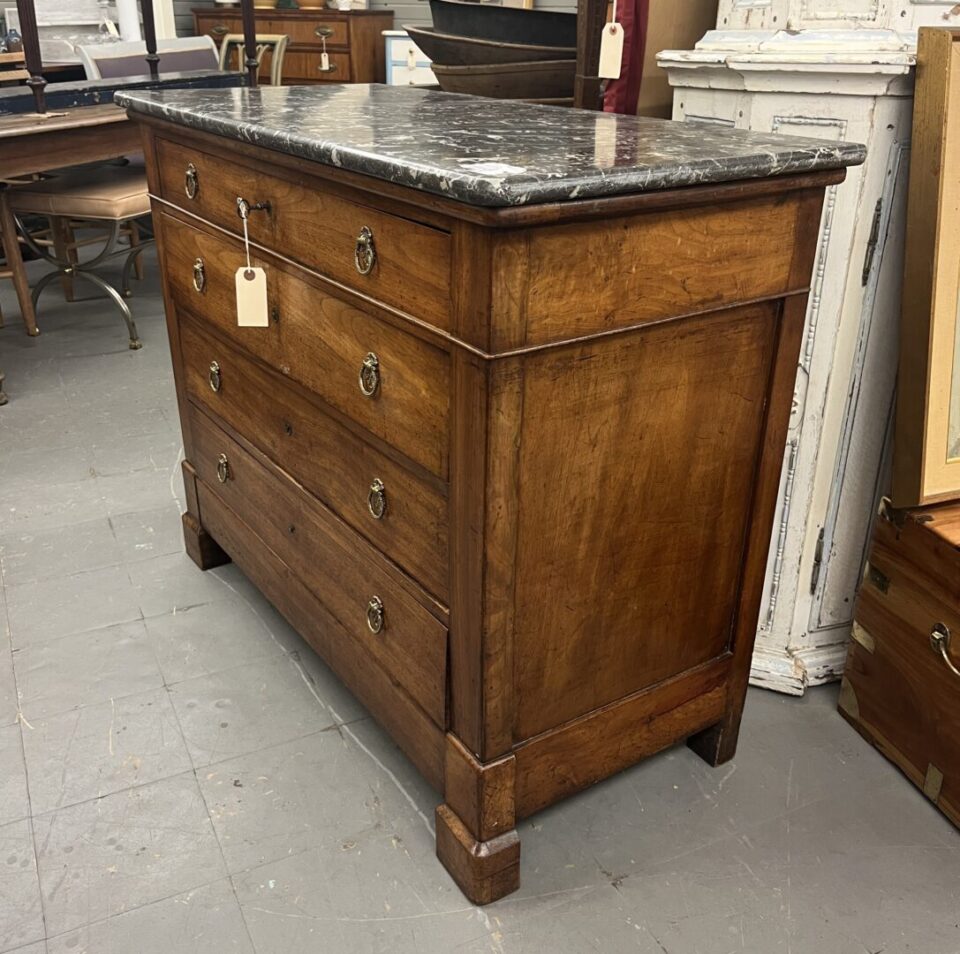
x,y
114,193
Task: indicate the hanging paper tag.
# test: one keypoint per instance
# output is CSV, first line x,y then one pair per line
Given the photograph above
x,y
325,62
252,309
611,51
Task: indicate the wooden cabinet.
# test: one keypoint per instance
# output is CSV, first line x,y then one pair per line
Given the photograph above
x,y
901,685
511,471
353,41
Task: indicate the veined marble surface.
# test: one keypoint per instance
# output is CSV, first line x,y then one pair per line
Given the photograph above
x,y
487,152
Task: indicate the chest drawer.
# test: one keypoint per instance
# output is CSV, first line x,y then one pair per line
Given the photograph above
x,y
320,342
372,601
395,260
310,32
308,67
302,32
402,516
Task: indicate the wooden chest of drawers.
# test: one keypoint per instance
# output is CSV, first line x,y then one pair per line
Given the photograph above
x,y
511,471
353,40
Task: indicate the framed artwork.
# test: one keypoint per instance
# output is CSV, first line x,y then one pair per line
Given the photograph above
x,y
926,460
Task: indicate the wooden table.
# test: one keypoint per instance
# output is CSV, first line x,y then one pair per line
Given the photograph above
x,y
30,143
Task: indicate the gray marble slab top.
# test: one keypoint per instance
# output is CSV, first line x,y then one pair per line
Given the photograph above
x,y
487,152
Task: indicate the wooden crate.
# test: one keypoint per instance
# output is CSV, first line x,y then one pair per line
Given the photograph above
x,y
899,690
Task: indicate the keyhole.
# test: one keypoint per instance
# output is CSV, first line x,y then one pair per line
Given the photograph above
x,y
287,428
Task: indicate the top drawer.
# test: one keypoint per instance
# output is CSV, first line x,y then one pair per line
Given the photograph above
x,y
310,31
394,260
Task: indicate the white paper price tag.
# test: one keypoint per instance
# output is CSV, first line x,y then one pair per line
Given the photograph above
x,y
611,51
325,62
252,311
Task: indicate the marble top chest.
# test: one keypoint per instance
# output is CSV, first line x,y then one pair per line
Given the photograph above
x,y
507,450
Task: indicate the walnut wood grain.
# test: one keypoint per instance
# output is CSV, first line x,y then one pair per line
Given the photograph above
x,y
316,227
417,735
590,399
322,455
412,646
320,342
626,510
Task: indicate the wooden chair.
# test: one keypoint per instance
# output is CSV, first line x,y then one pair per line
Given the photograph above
x,y
274,43
183,55
109,196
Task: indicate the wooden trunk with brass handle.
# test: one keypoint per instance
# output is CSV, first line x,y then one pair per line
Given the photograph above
x,y
901,684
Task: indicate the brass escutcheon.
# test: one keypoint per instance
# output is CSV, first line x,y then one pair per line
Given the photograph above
x,y
215,377
375,618
223,469
199,275
191,181
370,374
365,253
377,499
323,31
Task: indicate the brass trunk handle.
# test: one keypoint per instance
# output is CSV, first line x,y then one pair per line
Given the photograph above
x,y
377,499
199,275
191,181
365,252
323,31
375,616
940,643
223,469
370,374
216,379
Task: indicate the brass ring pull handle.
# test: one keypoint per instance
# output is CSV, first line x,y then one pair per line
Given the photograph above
x,y
940,643
216,379
375,617
219,30
199,275
191,181
332,68
223,469
370,374
323,31
365,252
377,499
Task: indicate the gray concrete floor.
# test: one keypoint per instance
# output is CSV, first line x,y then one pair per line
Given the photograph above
x,y
179,773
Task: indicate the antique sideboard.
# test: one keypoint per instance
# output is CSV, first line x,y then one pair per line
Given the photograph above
x,y
352,39
506,451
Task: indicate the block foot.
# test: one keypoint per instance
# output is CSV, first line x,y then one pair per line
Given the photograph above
x,y
485,871
200,546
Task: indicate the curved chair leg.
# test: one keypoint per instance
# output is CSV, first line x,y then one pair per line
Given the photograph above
x,y
133,258
112,293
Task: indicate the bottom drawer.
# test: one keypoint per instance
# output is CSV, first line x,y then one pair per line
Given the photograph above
x,y
372,600
420,738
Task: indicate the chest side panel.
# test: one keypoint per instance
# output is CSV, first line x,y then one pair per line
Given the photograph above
x,y
637,462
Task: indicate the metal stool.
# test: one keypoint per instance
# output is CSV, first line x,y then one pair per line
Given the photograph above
x,y
108,194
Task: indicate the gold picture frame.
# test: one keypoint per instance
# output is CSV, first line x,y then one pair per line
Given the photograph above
x,y
926,460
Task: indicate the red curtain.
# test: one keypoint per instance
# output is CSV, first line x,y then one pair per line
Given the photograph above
x,y
621,94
